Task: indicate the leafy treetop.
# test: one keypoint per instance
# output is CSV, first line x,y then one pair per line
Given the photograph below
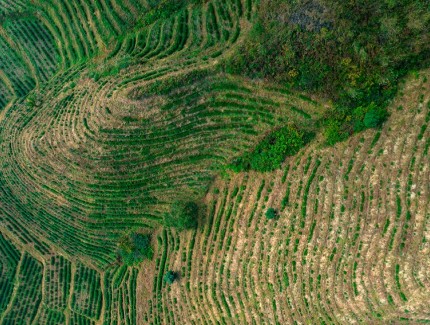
x,y
169,277
183,215
271,213
134,248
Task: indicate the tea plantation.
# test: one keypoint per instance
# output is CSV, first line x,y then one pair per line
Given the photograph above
x,y
161,163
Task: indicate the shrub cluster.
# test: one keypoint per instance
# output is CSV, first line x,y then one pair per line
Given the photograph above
x,y
183,215
269,154
340,123
134,248
353,52
271,213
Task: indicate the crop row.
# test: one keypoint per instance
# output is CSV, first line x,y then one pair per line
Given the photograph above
x,y
121,296
10,257
87,295
115,169
349,244
37,43
22,299
28,295
11,6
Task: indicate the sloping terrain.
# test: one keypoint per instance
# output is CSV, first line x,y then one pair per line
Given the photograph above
x,y
350,245
111,110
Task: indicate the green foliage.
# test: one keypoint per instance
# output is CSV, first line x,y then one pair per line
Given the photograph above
x,y
333,132
163,87
169,277
271,213
134,248
375,117
32,100
162,10
339,123
353,52
272,150
183,215
109,70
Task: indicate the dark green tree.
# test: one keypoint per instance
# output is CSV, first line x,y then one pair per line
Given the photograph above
x,y
134,248
271,213
375,117
170,277
183,215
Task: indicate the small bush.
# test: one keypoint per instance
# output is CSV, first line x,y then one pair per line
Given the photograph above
x,y
170,277
334,132
271,213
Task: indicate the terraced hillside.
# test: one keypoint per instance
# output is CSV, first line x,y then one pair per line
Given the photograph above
x,y
350,244
112,110
95,169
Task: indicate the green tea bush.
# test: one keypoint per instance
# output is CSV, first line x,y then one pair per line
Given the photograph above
x,y
169,277
271,213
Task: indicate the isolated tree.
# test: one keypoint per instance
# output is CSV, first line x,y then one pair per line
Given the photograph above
x,y
271,213
169,277
183,215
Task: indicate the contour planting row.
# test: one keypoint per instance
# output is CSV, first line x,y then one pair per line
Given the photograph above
x,y
27,297
10,258
349,244
15,69
35,40
98,167
6,91
87,295
57,282
120,295
110,20
12,6
33,36
196,29
182,41
78,40
58,291
204,31
11,207
21,298
28,56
